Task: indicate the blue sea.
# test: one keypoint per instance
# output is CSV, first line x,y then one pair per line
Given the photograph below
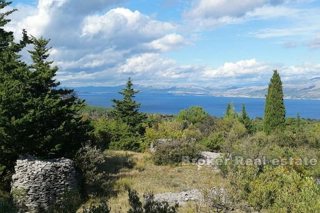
x,y
167,103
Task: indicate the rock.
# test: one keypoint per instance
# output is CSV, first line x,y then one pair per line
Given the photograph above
x,y
210,158
39,184
180,198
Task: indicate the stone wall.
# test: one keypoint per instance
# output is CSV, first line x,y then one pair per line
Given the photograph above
x,y
39,184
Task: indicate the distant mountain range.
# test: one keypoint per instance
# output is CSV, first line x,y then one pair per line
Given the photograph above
x,y
293,90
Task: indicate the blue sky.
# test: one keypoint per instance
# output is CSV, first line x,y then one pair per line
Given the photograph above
x,y
183,43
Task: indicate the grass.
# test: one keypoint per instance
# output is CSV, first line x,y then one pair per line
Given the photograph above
x,y
145,177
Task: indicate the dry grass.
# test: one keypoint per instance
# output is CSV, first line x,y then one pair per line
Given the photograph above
x,y
146,177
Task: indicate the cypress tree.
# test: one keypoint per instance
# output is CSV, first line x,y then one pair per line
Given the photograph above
x,y
127,109
274,115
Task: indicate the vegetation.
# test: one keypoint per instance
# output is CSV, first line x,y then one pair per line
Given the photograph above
x,y
150,206
127,109
37,117
174,152
275,112
268,165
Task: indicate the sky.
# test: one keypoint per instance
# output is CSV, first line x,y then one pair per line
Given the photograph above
x,y
176,43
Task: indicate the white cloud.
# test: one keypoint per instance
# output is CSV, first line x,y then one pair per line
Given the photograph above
x,y
212,13
283,32
108,46
89,37
238,69
121,22
214,9
167,42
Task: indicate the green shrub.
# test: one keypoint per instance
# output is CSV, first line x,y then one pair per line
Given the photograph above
x,y
193,115
115,134
173,152
128,143
214,142
70,203
284,190
165,129
91,162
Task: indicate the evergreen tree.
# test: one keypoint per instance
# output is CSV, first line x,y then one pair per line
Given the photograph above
x,y
245,119
230,112
13,74
56,124
127,109
274,116
36,117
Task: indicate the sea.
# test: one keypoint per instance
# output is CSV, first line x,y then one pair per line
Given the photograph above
x,y
168,103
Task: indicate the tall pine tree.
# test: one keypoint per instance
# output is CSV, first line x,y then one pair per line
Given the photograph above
x,y
36,116
57,125
13,74
275,112
127,109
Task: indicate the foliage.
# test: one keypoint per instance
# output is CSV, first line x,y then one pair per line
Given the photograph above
x,y
150,205
230,112
214,142
101,207
275,112
165,129
218,200
36,116
127,109
284,190
69,203
91,161
94,112
134,201
114,134
192,115
174,152
245,120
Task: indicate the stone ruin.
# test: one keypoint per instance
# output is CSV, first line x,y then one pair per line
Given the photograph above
x,y
37,185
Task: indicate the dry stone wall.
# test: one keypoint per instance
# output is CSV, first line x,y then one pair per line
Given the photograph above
x,y
39,184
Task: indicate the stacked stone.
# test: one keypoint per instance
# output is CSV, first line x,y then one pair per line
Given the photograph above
x,y
39,184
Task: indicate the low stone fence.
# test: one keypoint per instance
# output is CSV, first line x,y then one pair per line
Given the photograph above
x,y
39,184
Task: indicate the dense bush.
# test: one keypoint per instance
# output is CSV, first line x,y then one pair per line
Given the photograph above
x,y
70,203
91,162
166,129
174,152
192,115
272,187
214,141
284,190
115,134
